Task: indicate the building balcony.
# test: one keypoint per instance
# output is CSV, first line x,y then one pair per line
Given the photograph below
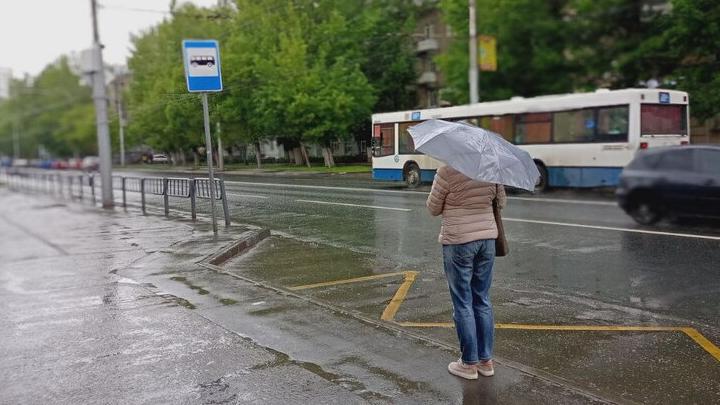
x,y
427,45
427,78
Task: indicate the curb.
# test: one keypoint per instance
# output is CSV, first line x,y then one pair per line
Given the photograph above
x,y
247,241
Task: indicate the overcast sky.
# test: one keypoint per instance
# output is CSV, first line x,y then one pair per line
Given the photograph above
x,y
34,33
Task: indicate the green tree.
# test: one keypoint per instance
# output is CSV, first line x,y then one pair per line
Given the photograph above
x,y
531,37
685,53
161,112
43,109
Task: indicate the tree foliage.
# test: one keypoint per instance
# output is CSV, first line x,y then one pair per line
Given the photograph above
x,y
567,45
54,111
312,71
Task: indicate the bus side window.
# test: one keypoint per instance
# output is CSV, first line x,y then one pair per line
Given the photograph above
x,y
612,124
533,128
405,141
383,140
500,124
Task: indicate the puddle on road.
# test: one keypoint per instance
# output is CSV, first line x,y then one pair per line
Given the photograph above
x,y
184,280
287,262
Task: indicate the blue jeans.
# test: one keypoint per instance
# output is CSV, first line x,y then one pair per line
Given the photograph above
x,y
468,268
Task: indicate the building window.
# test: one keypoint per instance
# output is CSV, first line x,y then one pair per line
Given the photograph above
x,y
429,31
432,98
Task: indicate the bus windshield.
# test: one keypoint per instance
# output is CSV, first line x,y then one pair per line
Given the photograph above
x,y
663,119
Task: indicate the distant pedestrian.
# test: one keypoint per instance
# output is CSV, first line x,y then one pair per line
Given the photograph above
x,y
468,236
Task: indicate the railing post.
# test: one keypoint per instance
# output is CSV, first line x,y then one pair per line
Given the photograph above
x,y
166,198
60,185
70,185
91,182
226,211
82,185
193,206
123,193
142,194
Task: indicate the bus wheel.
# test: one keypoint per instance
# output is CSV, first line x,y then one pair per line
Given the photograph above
x,y
542,183
412,175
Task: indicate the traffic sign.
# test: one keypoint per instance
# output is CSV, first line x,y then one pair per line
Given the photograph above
x,y
202,65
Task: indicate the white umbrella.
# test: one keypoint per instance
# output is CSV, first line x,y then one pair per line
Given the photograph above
x,y
477,153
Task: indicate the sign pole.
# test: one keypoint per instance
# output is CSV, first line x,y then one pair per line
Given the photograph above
x,y
208,149
202,74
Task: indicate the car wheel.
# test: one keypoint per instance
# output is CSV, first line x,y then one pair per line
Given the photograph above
x,y
210,65
542,183
412,176
645,213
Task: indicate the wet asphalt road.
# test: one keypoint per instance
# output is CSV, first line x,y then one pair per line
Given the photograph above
x,y
102,306
576,259
578,245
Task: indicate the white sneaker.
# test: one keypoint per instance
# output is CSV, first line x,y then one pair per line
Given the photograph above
x,y
485,368
460,369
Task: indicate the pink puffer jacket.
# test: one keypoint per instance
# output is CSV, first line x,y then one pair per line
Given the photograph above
x,y
465,205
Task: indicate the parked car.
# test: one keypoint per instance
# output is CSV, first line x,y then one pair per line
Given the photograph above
x,y
90,163
681,181
160,158
74,164
59,164
20,163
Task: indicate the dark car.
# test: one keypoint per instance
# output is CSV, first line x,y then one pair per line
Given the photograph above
x,y
681,181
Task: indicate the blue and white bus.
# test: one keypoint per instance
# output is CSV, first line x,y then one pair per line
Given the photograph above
x,y
576,140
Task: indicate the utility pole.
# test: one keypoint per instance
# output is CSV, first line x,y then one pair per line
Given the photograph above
x,y
16,141
121,121
473,68
101,114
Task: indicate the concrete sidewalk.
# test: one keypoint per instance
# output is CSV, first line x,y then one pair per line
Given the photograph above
x,y
114,307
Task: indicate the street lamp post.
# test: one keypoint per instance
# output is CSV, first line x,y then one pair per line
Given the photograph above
x,y
473,68
101,114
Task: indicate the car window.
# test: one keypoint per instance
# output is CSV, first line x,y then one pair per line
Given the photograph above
x,y
680,160
709,161
645,160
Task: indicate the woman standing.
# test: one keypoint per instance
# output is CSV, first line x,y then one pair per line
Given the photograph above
x,y
468,236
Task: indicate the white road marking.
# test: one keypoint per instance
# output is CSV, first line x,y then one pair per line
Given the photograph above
x,y
611,228
355,205
248,195
374,190
311,187
564,201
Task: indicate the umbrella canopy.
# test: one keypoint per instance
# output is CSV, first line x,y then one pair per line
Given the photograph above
x,y
477,153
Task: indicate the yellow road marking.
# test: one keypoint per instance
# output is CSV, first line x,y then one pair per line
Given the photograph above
x,y
703,342
347,281
394,304
693,333
409,278
588,327
426,324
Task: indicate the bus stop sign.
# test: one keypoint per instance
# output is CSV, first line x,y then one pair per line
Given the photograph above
x,y
202,65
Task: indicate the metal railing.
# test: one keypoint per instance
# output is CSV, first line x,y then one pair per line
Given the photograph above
x,y
73,185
